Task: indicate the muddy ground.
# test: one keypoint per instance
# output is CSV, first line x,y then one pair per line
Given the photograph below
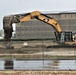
x,y
37,72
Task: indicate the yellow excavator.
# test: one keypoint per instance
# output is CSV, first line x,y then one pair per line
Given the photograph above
x,y
62,38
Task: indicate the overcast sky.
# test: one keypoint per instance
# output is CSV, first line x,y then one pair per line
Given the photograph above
x,y
8,7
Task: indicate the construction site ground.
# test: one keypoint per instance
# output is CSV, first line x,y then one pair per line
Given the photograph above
x,y
36,50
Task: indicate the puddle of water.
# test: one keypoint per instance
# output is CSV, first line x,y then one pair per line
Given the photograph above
x,y
38,64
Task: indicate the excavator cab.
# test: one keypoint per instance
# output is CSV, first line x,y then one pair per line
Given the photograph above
x,y
64,37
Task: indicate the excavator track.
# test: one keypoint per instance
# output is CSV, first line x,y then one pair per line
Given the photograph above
x,y
62,46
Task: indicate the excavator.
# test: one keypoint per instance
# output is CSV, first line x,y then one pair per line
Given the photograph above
x,y
62,37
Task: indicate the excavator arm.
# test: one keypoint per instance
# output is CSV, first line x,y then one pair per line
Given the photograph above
x,y
9,20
